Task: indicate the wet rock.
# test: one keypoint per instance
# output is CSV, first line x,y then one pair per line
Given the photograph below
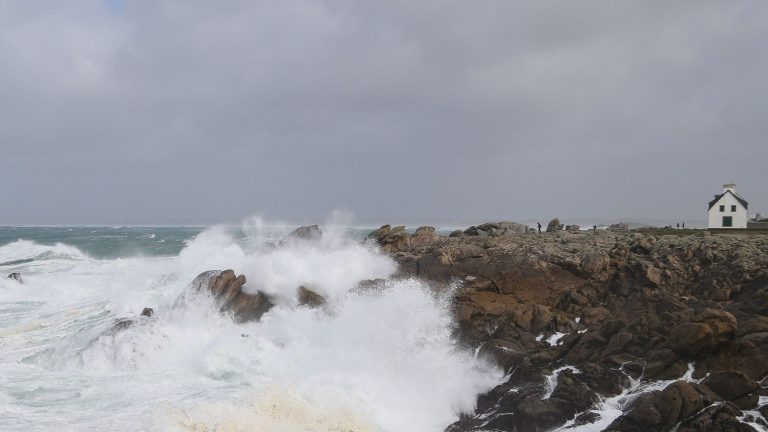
x,y
249,307
226,288
661,410
370,285
310,232
716,418
16,276
120,325
307,297
731,385
147,312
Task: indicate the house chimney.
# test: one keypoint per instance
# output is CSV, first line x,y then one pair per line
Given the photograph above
x,y
729,187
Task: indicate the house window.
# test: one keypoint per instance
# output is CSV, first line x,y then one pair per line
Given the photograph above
x,y
722,208
733,208
727,221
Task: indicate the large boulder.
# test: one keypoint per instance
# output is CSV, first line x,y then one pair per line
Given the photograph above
x,y
508,227
554,225
391,239
731,385
424,235
710,330
227,289
310,232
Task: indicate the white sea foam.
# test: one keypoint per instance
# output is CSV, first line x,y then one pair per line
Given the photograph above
x,y
372,361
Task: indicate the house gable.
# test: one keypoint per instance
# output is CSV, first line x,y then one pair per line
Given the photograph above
x,y
741,200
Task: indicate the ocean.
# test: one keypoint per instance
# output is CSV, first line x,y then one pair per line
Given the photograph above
x,y
369,361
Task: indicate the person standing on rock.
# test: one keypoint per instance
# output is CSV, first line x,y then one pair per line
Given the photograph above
x,y
538,224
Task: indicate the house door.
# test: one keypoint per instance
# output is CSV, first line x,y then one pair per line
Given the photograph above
x,y
727,221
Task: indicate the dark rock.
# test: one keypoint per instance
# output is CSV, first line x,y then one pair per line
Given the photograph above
x,y
711,330
730,385
309,298
147,312
310,232
15,276
120,325
716,418
661,410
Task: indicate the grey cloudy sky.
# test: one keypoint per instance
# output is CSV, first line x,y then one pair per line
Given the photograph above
x,y
184,111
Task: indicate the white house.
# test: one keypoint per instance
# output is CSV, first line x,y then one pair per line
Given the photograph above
x,y
728,209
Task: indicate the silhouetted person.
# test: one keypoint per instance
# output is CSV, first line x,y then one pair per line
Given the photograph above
x,y
594,228
683,225
678,225
539,225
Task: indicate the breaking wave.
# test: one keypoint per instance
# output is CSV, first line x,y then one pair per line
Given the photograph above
x,y
379,359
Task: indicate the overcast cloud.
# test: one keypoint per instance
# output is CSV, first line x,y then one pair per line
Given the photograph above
x,y
401,111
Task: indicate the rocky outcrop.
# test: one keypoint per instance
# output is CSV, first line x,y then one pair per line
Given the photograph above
x,y
309,298
310,232
616,307
554,225
226,289
424,235
16,277
495,229
390,239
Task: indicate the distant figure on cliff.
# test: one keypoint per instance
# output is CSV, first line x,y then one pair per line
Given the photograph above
x,y
683,225
594,228
678,225
538,224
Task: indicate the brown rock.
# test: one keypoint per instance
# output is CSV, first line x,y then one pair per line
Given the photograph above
x,y
595,263
731,385
716,418
309,298
226,289
424,235
711,330
390,239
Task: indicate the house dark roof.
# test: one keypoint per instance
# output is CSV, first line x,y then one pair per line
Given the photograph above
x,y
738,198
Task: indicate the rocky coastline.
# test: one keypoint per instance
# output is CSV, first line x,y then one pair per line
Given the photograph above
x,y
579,317
671,328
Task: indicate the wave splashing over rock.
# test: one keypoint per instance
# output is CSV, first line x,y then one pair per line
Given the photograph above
x,y
374,359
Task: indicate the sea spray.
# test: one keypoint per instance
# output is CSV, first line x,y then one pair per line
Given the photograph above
x,y
381,359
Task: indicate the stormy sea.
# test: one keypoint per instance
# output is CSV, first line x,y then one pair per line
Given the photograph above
x,y
369,360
